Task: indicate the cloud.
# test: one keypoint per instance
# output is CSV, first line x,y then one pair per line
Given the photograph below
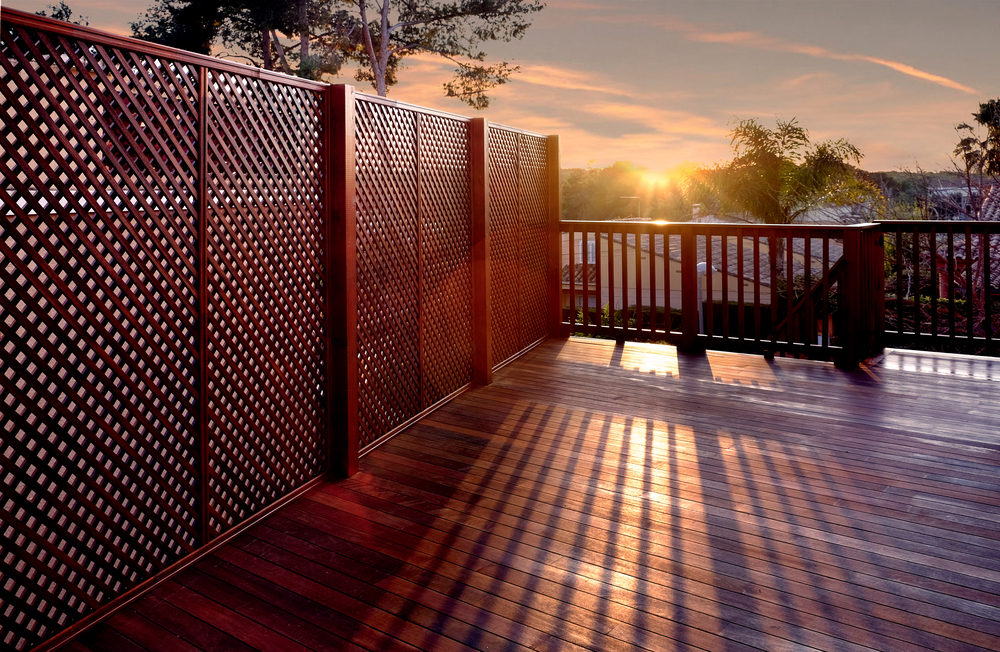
x,y
758,41
579,106
568,79
659,121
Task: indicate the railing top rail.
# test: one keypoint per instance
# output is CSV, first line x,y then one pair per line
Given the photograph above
x,y
20,18
375,99
516,130
679,227
938,225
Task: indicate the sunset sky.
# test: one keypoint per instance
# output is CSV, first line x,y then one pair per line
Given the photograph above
x,y
657,82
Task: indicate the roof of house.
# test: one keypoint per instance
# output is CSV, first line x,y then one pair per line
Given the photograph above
x,y
836,250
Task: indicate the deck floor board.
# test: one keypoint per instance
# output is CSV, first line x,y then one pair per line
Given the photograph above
x,y
626,497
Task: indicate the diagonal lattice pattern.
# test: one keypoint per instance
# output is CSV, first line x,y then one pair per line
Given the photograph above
x,y
97,352
518,240
265,312
388,274
534,199
505,231
414,242
446,246
99,304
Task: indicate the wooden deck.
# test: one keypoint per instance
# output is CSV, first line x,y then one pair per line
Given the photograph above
x,y
608,497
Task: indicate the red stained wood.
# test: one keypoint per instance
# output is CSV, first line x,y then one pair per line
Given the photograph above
x,y
629,497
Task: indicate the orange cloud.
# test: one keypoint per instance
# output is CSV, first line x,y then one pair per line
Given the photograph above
x,y
661,121
567,79
761,42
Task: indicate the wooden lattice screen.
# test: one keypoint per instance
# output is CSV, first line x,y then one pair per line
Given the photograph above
x,y
414,272
161,233
519,228
193,255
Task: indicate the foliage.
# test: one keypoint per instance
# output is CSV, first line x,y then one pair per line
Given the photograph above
x,y
191,26
62,12
623,190
453,30
777,174
312,38
980,153
323,34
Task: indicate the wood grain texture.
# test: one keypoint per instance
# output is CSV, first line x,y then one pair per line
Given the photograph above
x,y
627,497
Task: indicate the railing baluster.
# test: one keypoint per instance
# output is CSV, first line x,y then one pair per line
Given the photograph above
x,y
951,282
668,326
756,287
599,301
652,283
826,293
789,288
987,247
934,282
808,332
625,284
772,255
638,282
585,259
572,278
708,306
969,299
725,284
916,282
740,317
611,279
899,279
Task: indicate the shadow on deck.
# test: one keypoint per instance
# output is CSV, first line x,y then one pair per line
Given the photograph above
x,y
610,497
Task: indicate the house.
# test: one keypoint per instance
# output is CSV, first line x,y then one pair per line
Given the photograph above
x,y
726,282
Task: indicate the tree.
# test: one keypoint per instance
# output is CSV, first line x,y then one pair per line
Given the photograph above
x,y
454,30
62,12
191,26
311,38
977,157
621,190
778,174
321,35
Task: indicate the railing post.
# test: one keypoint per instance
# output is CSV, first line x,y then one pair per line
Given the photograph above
x,y
342,282
555,242
204,449
849,302
874,255
479,164
689,290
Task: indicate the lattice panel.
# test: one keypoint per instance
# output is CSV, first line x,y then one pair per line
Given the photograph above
x,y
97,345
388,276
266,415
446,242
505,294
533,199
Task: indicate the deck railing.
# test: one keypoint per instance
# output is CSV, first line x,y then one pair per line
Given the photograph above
x,y
942,285
814,290
217,284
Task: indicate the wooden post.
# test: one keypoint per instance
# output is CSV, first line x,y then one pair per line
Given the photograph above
x,y
204,449
689,290
479,164
848,302
342,282
874,281
555,242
